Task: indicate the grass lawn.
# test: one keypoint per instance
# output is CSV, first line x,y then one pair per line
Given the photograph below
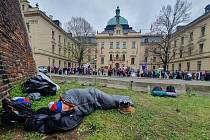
x,y
185,117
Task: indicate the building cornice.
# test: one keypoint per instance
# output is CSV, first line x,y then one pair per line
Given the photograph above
x,y
194,22
116,37
49,20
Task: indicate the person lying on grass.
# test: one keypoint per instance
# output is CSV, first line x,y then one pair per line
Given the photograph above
x,y
68,112
89,99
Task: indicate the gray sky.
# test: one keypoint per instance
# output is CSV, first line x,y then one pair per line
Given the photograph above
x,y
139,13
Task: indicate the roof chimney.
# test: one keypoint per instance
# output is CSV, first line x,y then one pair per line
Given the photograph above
x,y
50,16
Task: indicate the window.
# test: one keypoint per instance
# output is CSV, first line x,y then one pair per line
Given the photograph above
x,y
199,66
110,57
203,30
172,67
53,34
59,39
69,53
69,64
132,61
146,40
188,66
117,45
154,59
191,36
28,27
145,59
155,50
123,58
180,66
111,45
53,49
102,45
53,62
64,64
175,43
118,32
59,51
59,63
180,53
64,52
174,54
117,57
133,45
102,60
124,45
182,41
189,51
201,48
23,7
64,42
146,51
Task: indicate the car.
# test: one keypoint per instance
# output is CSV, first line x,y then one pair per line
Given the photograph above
x,y
42,69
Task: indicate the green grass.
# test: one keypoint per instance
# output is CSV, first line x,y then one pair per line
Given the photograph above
x,y
185,117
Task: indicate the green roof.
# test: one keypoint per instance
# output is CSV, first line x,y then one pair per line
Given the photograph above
x,y
113,21
117,19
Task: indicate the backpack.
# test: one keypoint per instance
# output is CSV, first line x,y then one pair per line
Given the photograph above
x,y
170,89
15,111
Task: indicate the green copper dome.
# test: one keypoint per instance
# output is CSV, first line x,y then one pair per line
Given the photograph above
x,y
117,19
113,21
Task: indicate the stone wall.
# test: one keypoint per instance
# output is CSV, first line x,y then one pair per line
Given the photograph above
x,y
139,85
16,59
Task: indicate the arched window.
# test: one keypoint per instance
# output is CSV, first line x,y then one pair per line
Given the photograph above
x,y
110,57
132,61
123,57
117,56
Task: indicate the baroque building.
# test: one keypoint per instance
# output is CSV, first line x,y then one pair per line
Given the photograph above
x,y
118,45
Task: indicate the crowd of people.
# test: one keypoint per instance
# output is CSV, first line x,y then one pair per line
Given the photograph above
x,y
131,72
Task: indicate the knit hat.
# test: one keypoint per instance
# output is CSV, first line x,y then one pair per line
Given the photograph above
x,y
55,106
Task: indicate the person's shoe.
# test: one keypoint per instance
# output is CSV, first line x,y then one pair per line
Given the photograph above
x,y
127,110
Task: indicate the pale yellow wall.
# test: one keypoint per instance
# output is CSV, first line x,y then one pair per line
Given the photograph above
x,y
129,51
40,38
195,55
41,42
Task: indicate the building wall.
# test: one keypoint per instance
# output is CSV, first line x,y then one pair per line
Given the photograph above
x,y
40,30
16,59
196,56
129,52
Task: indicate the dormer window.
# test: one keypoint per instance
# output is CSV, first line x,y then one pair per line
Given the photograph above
x,y
146,40
118,32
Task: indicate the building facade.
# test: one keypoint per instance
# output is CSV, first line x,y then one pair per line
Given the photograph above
x,y
118,45
50,44
149,42
190,45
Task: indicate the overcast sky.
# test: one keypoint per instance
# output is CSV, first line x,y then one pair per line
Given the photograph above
x,y
139,13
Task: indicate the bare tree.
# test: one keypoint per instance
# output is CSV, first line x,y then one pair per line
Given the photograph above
x,y
80,30
166,23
